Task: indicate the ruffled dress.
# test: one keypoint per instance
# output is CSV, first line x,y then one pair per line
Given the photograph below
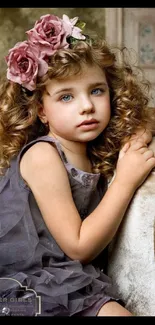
x,y
36,277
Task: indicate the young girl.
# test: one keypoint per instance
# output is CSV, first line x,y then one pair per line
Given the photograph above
x,y
66,110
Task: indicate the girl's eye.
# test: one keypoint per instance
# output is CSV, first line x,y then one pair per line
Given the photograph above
x,y
66,98
97,91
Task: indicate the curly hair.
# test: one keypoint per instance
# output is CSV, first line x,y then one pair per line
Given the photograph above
x,y
19,122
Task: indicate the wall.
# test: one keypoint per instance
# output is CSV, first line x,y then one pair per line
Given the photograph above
x,y
15,21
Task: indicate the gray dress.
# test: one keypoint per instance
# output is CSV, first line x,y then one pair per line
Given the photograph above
x,y
30,258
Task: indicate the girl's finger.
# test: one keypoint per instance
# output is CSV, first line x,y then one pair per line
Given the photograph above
x,y
124,150
148,154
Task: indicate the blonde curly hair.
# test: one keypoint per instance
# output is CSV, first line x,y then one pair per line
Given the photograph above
x,y
19,122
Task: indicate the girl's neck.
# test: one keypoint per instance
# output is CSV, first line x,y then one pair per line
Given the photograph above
x,y
76,153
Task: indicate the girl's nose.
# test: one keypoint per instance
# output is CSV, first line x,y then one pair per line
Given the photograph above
x,y
86,106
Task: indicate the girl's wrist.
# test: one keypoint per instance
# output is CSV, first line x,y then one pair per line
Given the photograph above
x,y
124,186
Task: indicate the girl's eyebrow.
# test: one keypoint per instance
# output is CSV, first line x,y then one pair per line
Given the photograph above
x,y
63,90
97,84
59,91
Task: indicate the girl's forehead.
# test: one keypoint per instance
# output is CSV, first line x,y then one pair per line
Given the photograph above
x,y
87,78
87,72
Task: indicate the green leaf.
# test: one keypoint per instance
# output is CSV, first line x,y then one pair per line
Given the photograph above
x,y
80,24
72,40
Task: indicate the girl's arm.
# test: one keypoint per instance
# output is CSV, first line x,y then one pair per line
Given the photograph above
x,y
44,172
144,135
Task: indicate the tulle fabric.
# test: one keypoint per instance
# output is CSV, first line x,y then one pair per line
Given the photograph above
x,y
30,258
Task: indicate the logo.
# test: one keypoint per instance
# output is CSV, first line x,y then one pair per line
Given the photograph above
x,y
19,300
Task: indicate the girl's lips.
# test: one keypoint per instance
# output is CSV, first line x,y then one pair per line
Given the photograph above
x,y
88,122
89,126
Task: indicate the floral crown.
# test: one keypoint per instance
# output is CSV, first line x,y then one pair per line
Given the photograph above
x,y
29,59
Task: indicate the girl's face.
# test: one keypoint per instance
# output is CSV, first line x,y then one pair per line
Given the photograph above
x,y
77,108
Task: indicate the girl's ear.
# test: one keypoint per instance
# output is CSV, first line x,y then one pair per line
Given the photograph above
x,y
42,115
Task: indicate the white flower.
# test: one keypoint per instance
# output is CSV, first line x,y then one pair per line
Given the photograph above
x,y
75,31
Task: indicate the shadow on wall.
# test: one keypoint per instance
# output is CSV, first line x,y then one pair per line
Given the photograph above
x,y
15,21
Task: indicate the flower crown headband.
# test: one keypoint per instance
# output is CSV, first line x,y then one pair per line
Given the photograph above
x,y
29,59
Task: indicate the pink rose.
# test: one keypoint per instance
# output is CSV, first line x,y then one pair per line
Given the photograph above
x,y
49,34
24,64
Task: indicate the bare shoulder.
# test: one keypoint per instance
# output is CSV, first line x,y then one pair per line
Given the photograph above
x,y
39,157
41,150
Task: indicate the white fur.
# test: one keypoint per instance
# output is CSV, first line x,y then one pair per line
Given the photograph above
x,y
131,263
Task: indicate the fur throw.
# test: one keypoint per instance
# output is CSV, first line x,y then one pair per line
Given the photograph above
x,y
131,260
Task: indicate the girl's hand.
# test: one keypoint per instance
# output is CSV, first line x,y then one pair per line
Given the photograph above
x,y
143,135
135,162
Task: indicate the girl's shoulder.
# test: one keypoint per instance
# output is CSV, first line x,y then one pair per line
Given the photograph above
x,y
47,139
13,171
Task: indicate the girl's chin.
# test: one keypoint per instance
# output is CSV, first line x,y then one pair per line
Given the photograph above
x,y
87,139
